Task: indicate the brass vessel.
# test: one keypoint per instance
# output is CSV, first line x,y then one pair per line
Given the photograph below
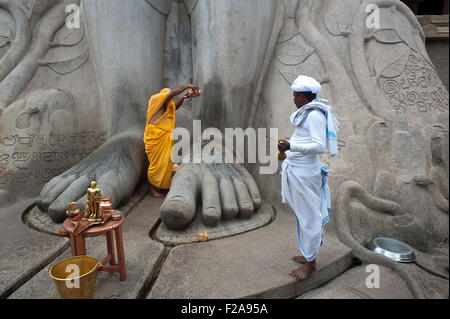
x,y
79,285
72,210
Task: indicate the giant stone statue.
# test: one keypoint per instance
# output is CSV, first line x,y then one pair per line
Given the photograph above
x,y
73,102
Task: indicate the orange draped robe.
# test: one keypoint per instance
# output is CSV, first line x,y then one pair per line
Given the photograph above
x,y
158,142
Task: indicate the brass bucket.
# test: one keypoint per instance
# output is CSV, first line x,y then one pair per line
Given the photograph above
x,y
75,277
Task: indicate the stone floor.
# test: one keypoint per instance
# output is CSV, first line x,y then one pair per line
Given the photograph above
x,y
253,264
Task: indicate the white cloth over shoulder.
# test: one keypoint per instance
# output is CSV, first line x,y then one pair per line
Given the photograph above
x,y
304,176
332,124
306,84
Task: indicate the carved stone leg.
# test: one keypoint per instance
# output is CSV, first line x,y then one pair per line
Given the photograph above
x,y
228,57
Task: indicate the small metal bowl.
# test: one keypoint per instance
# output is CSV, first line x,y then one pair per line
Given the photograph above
x,y
393,249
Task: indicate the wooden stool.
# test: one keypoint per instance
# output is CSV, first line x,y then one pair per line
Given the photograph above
x,y
78,243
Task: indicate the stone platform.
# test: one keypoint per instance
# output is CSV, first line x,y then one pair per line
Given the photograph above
x,y
252,264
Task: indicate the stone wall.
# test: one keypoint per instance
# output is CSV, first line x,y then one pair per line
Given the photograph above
x,y
436,29
438,52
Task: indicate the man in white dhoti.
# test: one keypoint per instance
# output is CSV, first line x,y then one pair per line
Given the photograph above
x,y
304,176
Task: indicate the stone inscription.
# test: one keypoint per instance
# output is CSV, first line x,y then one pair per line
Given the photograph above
x,y
28,176
21,155
417,89
58,140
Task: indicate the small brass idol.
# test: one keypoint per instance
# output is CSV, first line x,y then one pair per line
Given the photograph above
x,y
93,211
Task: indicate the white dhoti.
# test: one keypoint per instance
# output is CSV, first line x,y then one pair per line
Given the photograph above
x,y
304,187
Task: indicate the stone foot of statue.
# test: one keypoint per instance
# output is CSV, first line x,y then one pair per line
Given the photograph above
x,y
304,272
299,259
117,167
227,191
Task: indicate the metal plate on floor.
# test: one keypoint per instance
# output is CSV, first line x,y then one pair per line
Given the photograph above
x,y
393,249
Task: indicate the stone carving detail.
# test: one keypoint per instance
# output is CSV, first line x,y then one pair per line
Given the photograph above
x,y
41,135
405,73
416,89
5,36
21,65
294,55
339,24
162,6
384,91
191,5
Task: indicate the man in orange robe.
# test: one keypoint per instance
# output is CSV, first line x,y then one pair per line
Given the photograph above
x,y
157,135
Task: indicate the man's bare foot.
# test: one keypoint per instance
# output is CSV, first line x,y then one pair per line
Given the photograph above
x,y
299,259
308,270
155,193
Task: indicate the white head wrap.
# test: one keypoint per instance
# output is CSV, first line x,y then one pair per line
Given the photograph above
x,y
306,84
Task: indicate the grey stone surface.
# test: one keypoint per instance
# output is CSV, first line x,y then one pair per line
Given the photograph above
x,y
436,32
23,251
225,228
245,44
49,117
429,285
436,265
254,264
352,285
64,92
40,221
78,63
141,257
438,51
388,144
